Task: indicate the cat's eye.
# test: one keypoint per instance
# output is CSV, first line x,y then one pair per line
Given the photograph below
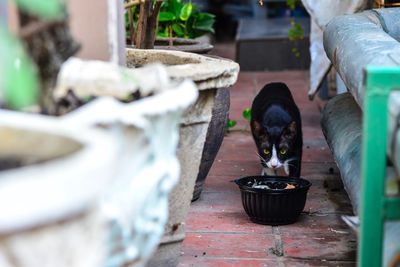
x,y
266,151
283,151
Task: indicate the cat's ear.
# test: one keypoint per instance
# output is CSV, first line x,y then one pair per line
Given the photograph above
x,y
290,131
257,128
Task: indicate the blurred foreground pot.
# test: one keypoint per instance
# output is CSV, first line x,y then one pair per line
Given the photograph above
x,y
96,191
210,75
51,180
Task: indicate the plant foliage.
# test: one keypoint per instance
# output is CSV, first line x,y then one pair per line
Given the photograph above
x,y
247,114
296,31
231,123
183,19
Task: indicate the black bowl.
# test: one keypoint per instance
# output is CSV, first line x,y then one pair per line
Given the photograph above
x,y
273,205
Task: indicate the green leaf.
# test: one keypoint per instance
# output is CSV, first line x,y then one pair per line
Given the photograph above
x,y
204,22
296,31
247,114
189,30
49,10
178,29
186,11
18,73
162,34
175,6
166,17
206,16
192,23
231,123
126,16
291,4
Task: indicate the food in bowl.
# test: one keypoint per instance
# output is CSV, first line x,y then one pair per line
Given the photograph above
x,y
271,185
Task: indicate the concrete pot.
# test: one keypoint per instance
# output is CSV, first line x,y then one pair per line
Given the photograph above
x,y
209,74
87,211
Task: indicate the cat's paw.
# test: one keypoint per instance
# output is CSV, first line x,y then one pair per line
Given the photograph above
x,y
286,169
268,172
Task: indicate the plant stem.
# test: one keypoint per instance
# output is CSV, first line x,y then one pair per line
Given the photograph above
x,y
131,26
152,22
171,43
144,12
147,24
186,34
131,3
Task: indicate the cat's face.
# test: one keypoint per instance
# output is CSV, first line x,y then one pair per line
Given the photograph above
x,y
275,145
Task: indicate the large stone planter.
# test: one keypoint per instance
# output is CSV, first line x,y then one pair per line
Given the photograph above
x,y
120,223
210,74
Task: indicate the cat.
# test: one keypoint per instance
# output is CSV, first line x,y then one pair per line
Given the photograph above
x,y
276,128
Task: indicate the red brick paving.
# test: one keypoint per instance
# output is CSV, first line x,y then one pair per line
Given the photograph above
x,y
218,231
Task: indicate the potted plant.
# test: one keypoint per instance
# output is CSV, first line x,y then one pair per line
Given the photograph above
x,y
212,76
70,200
176,27
180,23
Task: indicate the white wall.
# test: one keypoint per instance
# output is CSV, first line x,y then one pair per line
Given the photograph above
x,y
95,26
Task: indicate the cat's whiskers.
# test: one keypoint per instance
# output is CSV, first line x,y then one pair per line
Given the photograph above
x,y
261,158
287,164
291,159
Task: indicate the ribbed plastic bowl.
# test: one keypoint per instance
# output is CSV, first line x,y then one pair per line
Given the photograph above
x,y
273,206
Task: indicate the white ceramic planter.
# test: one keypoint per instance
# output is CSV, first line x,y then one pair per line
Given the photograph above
x,y
48,211
148,168
106,203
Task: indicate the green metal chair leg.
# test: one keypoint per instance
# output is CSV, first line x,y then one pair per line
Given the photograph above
x,y
375,207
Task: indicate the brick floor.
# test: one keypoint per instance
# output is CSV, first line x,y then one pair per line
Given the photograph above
x,y
218,231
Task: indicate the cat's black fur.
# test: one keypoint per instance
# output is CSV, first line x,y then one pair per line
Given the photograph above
x,y
275,120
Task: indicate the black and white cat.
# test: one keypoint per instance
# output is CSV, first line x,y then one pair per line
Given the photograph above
x,y
276,128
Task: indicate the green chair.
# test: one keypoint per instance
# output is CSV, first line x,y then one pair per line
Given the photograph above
x,y
375,207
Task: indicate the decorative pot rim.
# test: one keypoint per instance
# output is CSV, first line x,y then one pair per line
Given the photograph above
x,y
207,72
